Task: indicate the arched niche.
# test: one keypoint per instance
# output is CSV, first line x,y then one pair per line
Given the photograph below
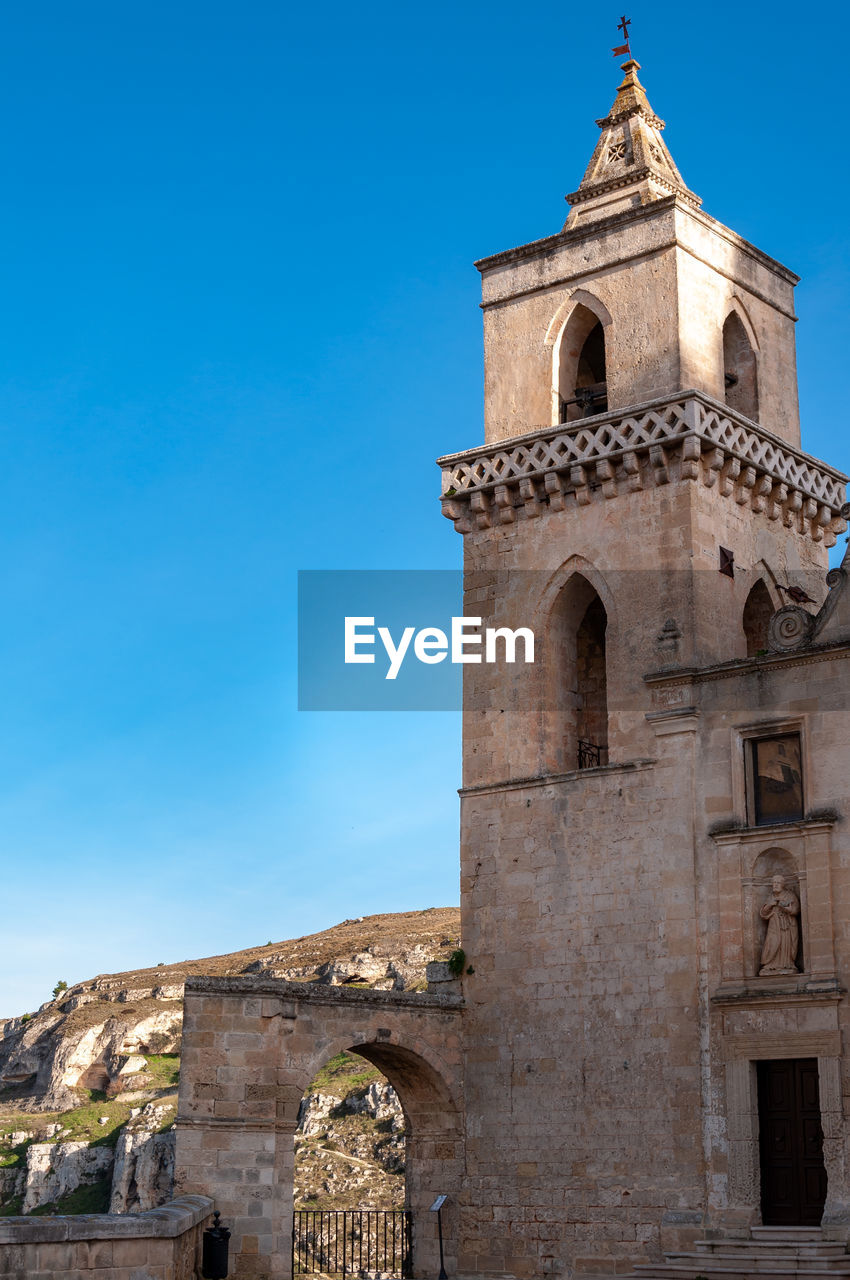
x,y
758,610
581,370
774,861
740,373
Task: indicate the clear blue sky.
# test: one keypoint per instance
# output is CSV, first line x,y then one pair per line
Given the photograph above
x,y
238,321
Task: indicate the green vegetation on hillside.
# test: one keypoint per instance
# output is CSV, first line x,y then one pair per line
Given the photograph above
x,y
343,1075
83,1124
91,1197
164,1070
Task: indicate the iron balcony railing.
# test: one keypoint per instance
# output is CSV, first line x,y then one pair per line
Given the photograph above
x,y
353,1243
591,754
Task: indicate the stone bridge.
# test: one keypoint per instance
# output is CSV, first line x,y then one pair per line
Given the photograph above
x,y
251,1047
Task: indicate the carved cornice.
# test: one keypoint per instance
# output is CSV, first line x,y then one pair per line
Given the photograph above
x,y
773,831
555,779
672,677
570,237
689,437
293,994
787,1044
242,1124
646,113
630,179
805,992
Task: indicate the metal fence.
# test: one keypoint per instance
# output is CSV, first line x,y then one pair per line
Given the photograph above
x,y
376,1244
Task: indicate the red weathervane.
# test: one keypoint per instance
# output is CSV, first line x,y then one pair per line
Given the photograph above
x,y
623,25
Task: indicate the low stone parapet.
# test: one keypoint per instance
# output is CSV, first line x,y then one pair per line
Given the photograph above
x,y
162,1244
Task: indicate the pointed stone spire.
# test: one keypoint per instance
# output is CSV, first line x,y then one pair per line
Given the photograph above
x,y
631,164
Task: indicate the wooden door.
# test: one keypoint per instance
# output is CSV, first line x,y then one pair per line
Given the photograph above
x,y
793,1177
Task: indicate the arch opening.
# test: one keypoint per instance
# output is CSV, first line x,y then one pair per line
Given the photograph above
x,y
385,1112
350,1142
758,611
582,378
739,368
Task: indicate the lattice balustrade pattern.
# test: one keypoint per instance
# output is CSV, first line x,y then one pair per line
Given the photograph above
x,y
688,437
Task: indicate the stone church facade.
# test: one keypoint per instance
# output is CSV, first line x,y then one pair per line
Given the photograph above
x,y
643,1071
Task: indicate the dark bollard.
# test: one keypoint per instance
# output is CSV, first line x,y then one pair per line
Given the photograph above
x,y
216,1245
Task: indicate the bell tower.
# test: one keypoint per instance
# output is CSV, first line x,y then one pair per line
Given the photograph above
x,y
641,420
640,501
637,247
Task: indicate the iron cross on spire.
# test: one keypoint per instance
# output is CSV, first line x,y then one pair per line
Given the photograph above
x,y
623,25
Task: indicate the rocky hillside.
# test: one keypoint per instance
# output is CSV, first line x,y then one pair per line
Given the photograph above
x,y
349,1146
88,1083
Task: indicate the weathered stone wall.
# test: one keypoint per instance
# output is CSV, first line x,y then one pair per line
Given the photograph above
x,y
164,1244
580,1025
527,303
615,1013
717,270
251,1046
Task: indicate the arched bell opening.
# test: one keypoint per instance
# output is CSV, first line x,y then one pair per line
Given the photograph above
x,y
583,381
739,368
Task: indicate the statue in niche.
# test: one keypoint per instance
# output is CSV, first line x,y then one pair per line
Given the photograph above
x,y
781,911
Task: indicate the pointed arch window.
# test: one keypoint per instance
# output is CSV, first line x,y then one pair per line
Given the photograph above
x,y
583,381
758,611
578,635
592,686
739,368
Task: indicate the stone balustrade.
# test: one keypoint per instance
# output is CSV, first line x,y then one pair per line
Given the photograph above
x,y
687,437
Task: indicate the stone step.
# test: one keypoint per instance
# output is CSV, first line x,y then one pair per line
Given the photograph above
x,y
771,1248
764,1263
786,1233
700,1269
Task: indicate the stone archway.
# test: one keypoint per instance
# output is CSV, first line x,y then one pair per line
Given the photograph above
x,y
251,1046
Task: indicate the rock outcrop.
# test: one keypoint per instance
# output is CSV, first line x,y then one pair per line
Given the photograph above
x,y
56,1169
143,1173
349,1151
95,1045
